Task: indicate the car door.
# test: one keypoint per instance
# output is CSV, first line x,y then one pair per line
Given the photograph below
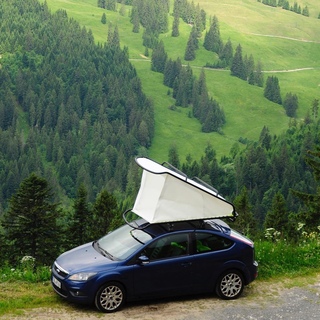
x,y
211,254
169,267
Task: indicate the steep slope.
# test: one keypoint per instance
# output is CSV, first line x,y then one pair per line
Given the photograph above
x,y
282,40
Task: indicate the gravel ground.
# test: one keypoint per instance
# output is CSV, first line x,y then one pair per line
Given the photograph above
x,y
260,300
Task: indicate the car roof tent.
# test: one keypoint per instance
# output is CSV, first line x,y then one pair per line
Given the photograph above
x,y
167,195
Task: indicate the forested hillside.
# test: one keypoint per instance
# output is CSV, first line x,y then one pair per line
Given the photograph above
x,y
73,115
70,110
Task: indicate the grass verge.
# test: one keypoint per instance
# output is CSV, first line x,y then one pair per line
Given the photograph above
x,y
290,264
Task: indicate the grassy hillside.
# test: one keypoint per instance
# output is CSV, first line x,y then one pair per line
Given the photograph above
x,y
283,41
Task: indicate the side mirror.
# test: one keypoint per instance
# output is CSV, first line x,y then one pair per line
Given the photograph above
x,y
143,260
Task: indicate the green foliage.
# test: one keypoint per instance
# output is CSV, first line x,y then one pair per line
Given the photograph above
x,y
25,271
79,231
104,18
291,104
272,90
278,216
238,67
30,224
72,97
212,39
245,222
282,258
310,214
159,58
192,45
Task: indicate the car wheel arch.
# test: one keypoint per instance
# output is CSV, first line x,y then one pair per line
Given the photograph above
x,y
237,265
119,288
237,283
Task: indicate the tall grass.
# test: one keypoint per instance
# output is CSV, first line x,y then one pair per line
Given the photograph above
x,y
278,257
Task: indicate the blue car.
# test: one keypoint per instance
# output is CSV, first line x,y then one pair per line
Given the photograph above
x,y
156,261
159,254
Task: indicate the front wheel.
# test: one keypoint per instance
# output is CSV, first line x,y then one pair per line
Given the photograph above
x,y
230,285
110,297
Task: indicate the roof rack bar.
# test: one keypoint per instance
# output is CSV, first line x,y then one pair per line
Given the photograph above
x,y
173,168
196,179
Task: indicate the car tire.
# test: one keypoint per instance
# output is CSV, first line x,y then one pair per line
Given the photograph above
x,y
110,297
230,285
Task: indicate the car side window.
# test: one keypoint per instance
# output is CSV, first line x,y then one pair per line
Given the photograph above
x,y
168,246
210,242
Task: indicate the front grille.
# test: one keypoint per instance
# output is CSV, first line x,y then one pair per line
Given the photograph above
x,y
60,271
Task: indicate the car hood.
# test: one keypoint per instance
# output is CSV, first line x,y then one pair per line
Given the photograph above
x,y
84,258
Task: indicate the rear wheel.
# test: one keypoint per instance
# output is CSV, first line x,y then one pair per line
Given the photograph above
x,y
230,285
110,297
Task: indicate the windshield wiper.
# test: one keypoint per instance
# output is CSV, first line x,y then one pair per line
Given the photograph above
x,y
105,252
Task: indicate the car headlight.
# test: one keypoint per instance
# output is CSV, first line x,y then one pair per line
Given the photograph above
x,y
82,276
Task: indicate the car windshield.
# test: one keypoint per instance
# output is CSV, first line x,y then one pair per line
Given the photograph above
x,y
121,243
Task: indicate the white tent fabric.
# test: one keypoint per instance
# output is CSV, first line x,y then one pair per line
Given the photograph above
x,y
167,196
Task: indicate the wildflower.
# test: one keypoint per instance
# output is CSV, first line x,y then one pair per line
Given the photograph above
x,y
300,226
27,259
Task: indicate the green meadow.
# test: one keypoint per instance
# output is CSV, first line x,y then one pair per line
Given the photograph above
x,y
286,43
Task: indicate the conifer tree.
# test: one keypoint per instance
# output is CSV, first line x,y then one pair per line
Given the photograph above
x,y
135,20
245,221
192,45
212,40
278,216
258,75
272,90
226,54
173,156
159,58
31,222
238,67
175,25
290,104
315,108
104,18
79,229
104,211
310,215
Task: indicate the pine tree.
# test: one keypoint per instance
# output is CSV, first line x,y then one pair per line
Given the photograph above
x,y
173,156
310,215
159,58
175,26
278,216
212,40
245,221
104,18
290,104
315,108
79,229
104,211
258,75
226,54
31,222
238,67
135,20
192,46
272,90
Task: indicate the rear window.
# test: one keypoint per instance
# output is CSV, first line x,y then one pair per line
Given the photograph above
x,y
206,242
